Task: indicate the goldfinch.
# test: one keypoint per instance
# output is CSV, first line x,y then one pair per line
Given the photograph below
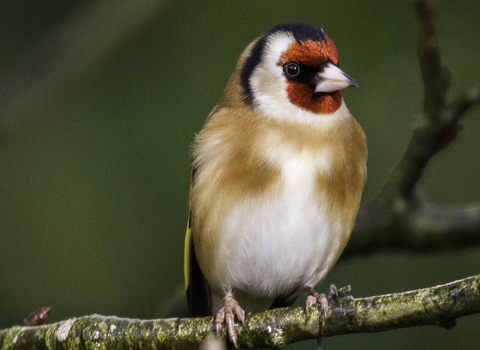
x,y
278,170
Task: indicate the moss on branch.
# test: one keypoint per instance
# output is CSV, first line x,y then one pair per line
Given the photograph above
x,y
440,305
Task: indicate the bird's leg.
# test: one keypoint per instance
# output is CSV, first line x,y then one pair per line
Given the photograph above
x,y
316,298
227,313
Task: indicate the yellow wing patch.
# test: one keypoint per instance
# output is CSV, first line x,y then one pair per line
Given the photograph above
x,y
188,242
188,237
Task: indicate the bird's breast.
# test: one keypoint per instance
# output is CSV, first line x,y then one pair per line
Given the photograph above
x,y
277,242
273,204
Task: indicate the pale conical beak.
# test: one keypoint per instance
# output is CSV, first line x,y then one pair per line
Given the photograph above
x,y
332,78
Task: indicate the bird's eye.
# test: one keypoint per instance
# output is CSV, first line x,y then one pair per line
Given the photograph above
x,y
291,69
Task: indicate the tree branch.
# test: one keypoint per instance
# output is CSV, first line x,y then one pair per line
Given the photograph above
x,y
399,217
439,305
435,77
419,226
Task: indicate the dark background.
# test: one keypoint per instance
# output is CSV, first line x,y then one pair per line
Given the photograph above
x,y
99,102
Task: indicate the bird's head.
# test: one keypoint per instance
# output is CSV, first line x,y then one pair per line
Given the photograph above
x,y
292,72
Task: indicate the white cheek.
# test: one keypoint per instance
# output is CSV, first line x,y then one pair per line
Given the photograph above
x,y
269,87
267,81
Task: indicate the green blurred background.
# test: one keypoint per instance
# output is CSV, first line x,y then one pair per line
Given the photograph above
x,y
100,100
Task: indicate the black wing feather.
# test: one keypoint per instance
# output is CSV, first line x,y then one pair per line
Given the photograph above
x,y
198,290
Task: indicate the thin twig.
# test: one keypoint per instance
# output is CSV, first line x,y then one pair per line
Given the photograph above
x,y
461,106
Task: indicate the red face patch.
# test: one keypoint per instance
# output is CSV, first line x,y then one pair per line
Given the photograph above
x,y
301,95
311,53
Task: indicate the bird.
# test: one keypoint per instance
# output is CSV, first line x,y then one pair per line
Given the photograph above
x,y
277,175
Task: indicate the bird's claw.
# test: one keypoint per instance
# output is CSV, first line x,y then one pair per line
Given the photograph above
x,y
332,292
321,299
227,313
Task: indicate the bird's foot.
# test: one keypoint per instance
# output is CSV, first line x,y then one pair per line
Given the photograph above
x,y
227,313
314,298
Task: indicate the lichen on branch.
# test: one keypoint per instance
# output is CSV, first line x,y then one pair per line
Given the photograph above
x,y
439,305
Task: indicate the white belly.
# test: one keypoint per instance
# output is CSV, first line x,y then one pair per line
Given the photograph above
x,y
282,238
